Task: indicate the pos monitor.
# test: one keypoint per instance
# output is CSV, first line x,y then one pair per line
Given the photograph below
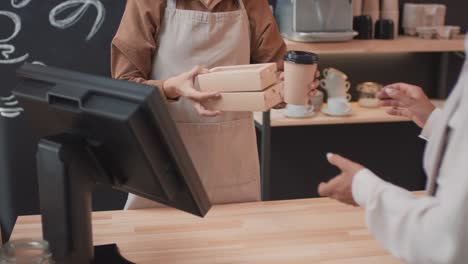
x,y
99,130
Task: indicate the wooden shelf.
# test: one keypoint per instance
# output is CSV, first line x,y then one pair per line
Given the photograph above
x,y
399,45
360,115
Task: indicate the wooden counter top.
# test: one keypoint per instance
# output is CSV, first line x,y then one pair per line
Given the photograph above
x,y
400,45
296,231
359,115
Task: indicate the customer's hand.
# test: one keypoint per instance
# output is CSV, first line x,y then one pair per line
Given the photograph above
x,y
183,85
408,101
312,89
340,187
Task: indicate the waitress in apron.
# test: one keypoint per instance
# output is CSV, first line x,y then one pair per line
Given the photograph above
x,y
161,42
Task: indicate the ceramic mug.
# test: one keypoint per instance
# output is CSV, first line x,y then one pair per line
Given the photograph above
x,y
298,111
338,105
335,85
336,88
343,95
332,73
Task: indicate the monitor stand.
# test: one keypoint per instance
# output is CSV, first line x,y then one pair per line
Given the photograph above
x,y
67,172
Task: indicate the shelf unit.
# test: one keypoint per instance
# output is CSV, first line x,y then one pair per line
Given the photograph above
x,y
400,45
360,115
267,120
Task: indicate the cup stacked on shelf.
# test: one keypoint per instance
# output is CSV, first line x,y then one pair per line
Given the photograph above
x,y
336,84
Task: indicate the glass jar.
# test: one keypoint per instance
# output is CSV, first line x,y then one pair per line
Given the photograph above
x,y
26,252
368,94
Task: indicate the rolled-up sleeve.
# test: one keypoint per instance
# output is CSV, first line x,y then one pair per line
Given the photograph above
x,y
134,44
267,44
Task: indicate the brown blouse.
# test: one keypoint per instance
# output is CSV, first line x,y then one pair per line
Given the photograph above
x,y
134,45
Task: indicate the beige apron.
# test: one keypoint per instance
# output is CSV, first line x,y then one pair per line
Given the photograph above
x,y
223,148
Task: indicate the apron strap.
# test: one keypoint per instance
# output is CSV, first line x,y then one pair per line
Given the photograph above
x,y
171,4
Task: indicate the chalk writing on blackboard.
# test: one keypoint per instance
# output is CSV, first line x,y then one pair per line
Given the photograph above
x,y
9,107
19,3
6,50
16,21
73,17
38,63
69,19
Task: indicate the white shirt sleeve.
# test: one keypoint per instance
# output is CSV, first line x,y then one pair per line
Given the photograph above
x,y
433,119
417,230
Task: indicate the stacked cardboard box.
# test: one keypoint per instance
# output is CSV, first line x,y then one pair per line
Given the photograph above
x,y
253,87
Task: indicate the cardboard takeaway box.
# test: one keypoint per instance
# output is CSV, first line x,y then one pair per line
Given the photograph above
x,y
260,101
240,78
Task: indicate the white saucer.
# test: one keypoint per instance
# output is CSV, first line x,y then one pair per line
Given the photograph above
x,y
325,111
311,114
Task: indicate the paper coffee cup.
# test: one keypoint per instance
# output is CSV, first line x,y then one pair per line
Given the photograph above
x,y
300,68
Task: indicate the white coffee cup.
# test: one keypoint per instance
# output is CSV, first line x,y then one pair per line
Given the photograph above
x,y
332,74
298,111
336,88
345,95
335,84
338,105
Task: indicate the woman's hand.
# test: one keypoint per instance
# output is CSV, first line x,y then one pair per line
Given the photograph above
x,y
312,89
408,101
183,85
340,187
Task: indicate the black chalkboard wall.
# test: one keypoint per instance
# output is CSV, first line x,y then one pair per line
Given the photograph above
x,y
73,34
